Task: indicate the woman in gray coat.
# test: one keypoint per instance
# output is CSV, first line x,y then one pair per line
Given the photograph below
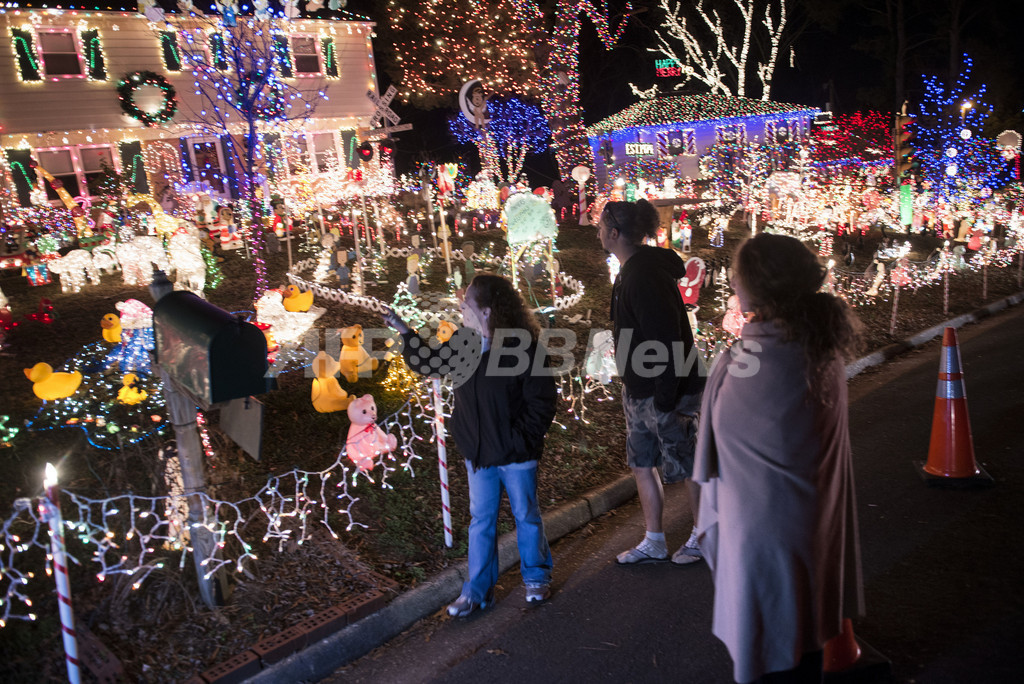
x,y
777,517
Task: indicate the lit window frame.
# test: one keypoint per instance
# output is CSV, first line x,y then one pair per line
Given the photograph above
x,y
83,72
77,166
294,55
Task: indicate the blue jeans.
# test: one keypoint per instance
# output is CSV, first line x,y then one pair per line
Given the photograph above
x,y
520,481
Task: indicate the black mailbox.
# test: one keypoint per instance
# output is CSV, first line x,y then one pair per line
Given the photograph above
x,y
210,353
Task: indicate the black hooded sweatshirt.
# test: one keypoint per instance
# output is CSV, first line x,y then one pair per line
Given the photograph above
x,y
647,307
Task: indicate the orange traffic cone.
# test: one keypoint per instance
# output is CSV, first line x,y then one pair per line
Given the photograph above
x,y
951,452
842,650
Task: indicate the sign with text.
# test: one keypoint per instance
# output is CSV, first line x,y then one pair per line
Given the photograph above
x,y
640,149
667,68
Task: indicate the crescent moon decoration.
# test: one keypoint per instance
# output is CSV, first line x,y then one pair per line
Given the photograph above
x,y
464,103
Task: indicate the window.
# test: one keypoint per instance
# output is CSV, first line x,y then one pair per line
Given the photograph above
x,y
305,59
733,133
209,165
95,162
60,165
679,142
79,169
297,154
300,154
324,150
782,131
60,53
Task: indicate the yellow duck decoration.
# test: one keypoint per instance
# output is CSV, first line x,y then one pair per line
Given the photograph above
x,y
48,385
111,324
129,393
327,395
296,300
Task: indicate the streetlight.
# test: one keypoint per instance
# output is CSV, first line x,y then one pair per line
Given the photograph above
x,y
963,112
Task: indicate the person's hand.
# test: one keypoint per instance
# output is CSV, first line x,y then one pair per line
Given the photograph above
x,y
393,320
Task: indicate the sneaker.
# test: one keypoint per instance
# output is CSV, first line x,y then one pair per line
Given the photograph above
x,y
537,593
644,552
464,605
689,552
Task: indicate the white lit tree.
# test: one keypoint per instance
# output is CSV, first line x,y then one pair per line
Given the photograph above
x,y
713,42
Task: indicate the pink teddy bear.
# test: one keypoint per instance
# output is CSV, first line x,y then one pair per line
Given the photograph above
x,y
365,440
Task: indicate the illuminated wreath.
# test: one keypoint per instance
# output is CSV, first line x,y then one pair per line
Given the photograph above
x,y
127,88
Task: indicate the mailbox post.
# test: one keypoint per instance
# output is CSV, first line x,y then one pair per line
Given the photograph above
x,y
205,356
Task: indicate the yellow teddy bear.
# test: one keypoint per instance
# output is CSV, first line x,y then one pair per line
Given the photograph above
x,y
354,361
327,395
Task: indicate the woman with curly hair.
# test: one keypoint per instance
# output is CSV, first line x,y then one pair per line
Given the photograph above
x,y
504,405
778,522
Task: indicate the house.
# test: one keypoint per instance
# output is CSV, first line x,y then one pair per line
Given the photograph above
x,y
668,135
83,90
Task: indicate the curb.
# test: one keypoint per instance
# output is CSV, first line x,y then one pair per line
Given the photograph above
x,y
897,348
320,659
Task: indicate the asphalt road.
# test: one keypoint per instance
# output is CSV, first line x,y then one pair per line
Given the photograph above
x,y
944,569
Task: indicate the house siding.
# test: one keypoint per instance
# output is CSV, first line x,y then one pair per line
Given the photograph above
x,y
65,110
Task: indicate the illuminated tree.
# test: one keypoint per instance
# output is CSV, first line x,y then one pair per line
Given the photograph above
x,y
712,42
237,63
441,44
955,160
860,136
558,60
437,45
516,128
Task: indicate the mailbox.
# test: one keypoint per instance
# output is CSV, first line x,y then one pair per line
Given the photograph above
x,y
213,355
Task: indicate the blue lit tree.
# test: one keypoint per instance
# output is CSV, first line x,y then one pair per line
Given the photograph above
x,y
516,128
956,162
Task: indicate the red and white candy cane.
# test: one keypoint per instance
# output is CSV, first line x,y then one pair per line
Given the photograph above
x,y
442,462
51,508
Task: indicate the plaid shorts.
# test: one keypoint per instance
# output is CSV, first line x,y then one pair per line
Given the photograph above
x,y
663,440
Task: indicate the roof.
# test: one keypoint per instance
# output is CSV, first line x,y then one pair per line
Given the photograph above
x,y
685,108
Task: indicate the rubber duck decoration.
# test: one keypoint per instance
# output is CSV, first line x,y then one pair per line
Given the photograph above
x,y
130,393
48,385
111,324
295,300
365,440
326,394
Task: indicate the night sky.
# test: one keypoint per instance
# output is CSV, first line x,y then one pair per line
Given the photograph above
x,y
842,58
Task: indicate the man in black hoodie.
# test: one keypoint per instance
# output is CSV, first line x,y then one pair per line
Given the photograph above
x,y
660,370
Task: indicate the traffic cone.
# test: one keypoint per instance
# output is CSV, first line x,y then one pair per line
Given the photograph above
x,y
951,452
849,660
841,651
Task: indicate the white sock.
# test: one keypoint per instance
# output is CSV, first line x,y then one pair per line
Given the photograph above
x,y
656,537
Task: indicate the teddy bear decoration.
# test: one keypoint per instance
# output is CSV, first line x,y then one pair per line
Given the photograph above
x,y
354,362
366,441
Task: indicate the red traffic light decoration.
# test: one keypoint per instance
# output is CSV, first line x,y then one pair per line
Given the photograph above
x,y
365,151
904,151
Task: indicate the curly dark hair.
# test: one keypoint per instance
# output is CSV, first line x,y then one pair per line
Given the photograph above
x,y
508,310
636,220
783,280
